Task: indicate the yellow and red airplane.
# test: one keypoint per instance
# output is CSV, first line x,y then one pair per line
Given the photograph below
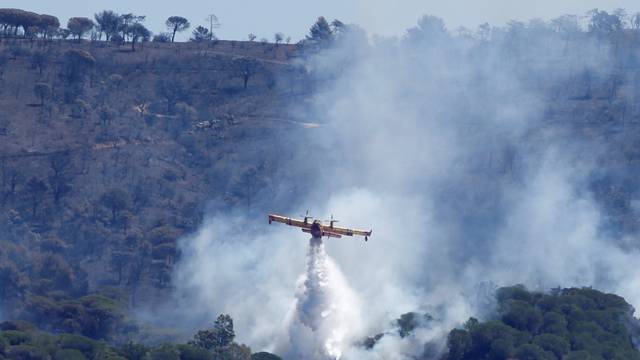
x,y
316,227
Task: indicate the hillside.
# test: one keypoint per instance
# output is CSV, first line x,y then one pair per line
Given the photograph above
x,y
119,155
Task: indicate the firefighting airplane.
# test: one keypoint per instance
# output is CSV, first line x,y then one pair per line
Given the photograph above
x,y
317,229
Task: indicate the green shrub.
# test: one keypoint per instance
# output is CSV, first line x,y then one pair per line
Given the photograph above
x,y
554,323
133,351
26,352
578,355
264,356
459,343
188,352
533,352
516,292
164,352
17,325
81,343
69,354
522,316
15,337
553,343
501,349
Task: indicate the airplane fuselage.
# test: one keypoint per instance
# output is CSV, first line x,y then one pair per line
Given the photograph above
x,y
316,230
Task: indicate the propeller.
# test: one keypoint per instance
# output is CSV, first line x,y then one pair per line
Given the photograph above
x,y
332,221
306,215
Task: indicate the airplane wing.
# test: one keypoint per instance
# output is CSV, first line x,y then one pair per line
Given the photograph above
x,y
345,231
289,221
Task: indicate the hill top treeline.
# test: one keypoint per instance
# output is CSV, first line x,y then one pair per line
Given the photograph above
x,y
113,26
129,27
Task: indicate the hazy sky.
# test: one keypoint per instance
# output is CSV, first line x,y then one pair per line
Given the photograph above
x,y
293,17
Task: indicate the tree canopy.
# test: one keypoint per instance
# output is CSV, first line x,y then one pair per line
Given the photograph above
x,y
108,22
79,26
138,32
565,324
175,24
115,200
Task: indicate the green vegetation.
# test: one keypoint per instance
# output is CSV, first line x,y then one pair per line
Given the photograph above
x,y
565,324
21,340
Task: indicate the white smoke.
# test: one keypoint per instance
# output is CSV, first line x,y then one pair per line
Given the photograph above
x,y
326,311
244,270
